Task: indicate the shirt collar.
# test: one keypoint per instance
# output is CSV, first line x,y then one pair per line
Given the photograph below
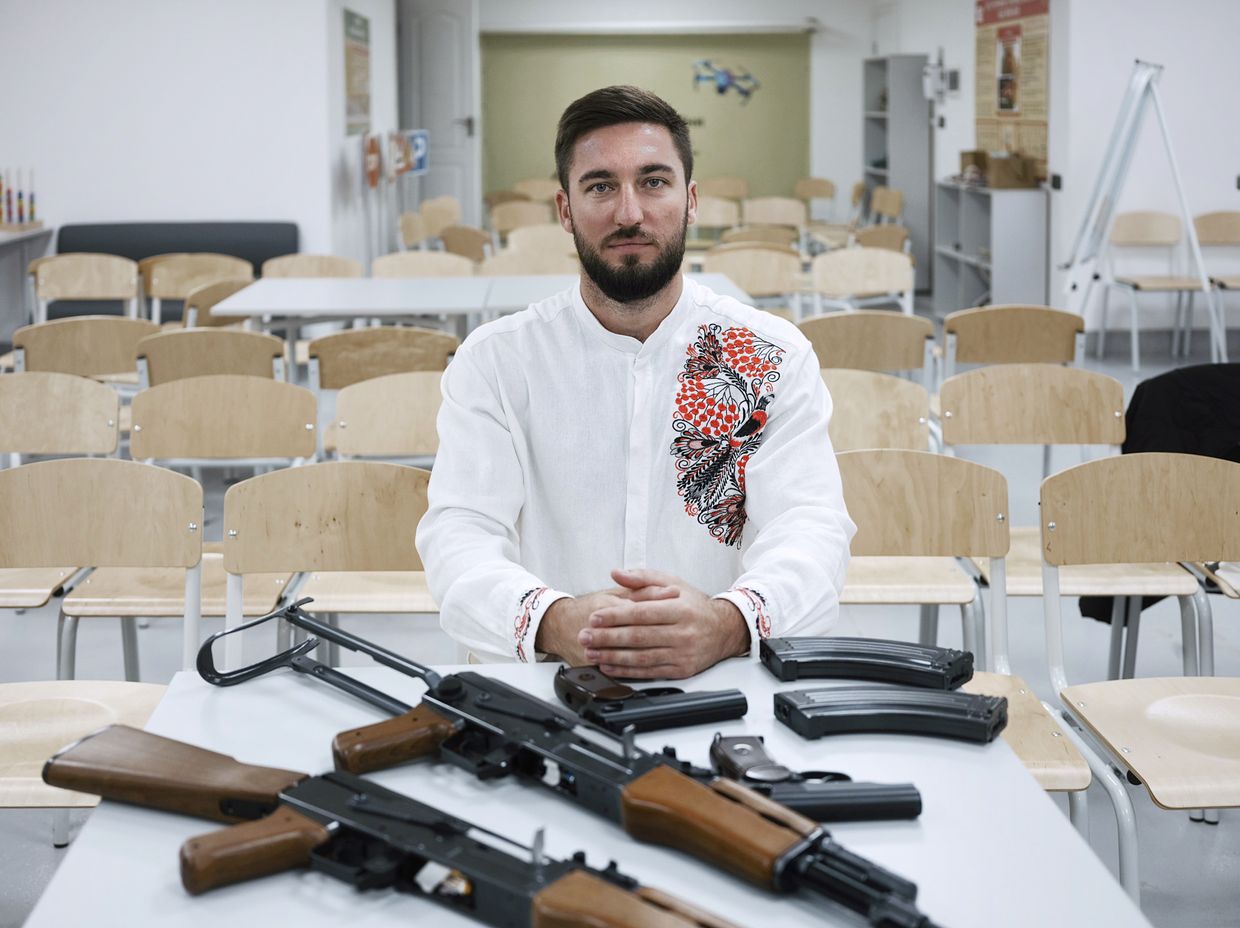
x,y
626,343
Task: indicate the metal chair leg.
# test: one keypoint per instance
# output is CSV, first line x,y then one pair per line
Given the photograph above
x,y
129,647
1119,606
60,828
1205,633
1177,325
1188,635
66,646
1131,631
1136,349
1102,321
928,624
1078,812
1187,343
973,622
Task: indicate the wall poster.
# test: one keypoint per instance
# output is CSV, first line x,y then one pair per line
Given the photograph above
x,y
356,73
1013,46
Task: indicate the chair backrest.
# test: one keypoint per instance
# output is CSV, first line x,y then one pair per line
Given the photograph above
x,y
1146,228
176,276
857,195
438,213
717,213
200,301
496,197
412,229
1013,334
89,346
347,357
774,211
538,188
179,353
43,412
389,416
886,204
1142,509
861,272
873,410
1218,228
779,235
1035,404
547,236
728,187
870,340
467,241
814,188
891,236
145,265
99,512
918,504
421,264
223,416
760,272
340,515
84,276
516,213
511,261
302,265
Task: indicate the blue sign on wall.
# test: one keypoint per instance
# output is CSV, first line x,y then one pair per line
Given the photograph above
x,y
420,144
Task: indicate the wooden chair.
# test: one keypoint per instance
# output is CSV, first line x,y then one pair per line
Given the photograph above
x,y
774,211
421,264
778,235
891,236
389,417
715,215
548,237
886,205
179,353
772,276
86,276
1146,230
101,513
348,523
496,197
873,410
918,516
513,215
1176,735
44,717
1215,230
828,235
538,188
813,188
412,228
1011,334
854,277
200,301
438,213
174,277
302,265
101,347
511,261
467,241
726,186
873,340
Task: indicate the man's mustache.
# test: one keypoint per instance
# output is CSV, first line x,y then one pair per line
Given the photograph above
x,y
628,236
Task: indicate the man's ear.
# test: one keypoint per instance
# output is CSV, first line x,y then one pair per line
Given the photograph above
x,y
563,213
691,204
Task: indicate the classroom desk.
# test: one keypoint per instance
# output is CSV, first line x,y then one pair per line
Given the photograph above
x,y
989,849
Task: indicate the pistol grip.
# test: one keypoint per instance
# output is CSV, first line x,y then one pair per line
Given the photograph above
x,y
418,732
279,842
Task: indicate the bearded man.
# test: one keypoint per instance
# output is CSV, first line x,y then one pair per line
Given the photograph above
x,y
636,472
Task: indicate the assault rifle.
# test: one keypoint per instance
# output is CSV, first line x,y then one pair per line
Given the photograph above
x,y
359,832
493,730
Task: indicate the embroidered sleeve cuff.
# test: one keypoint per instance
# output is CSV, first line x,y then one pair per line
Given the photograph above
x,y
530,611
753,607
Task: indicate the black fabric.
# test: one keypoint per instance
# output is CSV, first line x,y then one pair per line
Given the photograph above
x,y
1191,410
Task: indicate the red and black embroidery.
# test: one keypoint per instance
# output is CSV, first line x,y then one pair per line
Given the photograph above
x,y
757,608
526,608
722,405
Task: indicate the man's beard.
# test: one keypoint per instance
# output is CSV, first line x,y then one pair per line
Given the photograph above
x,y
632,281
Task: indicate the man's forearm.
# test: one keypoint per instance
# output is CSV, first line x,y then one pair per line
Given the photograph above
x,y
735,639
557,634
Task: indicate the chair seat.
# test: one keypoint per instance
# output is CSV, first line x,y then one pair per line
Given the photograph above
x,y
1034,735
906,581
152,591
30,587
1024,574
1179,735
833,236
39,719
1160,283
368,591
1226,282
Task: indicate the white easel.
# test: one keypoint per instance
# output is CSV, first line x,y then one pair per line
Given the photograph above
x,y
1089,249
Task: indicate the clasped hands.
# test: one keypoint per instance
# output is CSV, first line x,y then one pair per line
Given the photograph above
x,y
651,625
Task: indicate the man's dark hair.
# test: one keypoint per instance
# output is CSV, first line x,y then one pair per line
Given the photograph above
x,y
612,106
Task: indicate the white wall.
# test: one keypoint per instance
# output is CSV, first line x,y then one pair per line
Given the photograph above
x,y
174,110
836,51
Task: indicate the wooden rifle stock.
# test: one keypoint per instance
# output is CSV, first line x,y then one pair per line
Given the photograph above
x,y
418,732
581,900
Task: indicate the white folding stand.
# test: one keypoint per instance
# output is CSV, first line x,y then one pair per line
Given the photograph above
x,y
1089,249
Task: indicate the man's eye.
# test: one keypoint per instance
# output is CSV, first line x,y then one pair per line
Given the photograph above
x,y
599,188
656,182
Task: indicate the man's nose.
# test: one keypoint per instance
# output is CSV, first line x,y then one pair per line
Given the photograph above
x,y
628,207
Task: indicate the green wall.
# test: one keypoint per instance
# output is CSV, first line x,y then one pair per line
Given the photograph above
x,y
528,80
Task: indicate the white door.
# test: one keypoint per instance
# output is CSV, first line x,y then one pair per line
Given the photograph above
x,y
441,92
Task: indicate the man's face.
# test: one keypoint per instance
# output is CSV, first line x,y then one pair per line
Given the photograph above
x,y
627,206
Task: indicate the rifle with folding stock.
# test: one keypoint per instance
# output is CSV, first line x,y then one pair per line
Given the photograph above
x,y
357,831
493,730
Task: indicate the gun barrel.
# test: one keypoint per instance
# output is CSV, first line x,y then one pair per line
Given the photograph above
x,y
847,801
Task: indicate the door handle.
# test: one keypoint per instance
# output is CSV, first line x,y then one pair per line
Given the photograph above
x,y
468,123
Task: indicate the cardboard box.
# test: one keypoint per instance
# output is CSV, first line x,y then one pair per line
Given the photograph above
x,y
1012,171
970,158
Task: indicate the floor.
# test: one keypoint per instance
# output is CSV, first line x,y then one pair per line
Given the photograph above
x,y
1188,870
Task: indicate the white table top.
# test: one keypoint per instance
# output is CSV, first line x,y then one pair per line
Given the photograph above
x,y
989,849
16,238
337,297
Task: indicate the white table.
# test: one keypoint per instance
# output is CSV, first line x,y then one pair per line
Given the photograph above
x,y
989,849
17,250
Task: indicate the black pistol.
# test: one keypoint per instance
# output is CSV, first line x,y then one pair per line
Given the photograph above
x,y
598,698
